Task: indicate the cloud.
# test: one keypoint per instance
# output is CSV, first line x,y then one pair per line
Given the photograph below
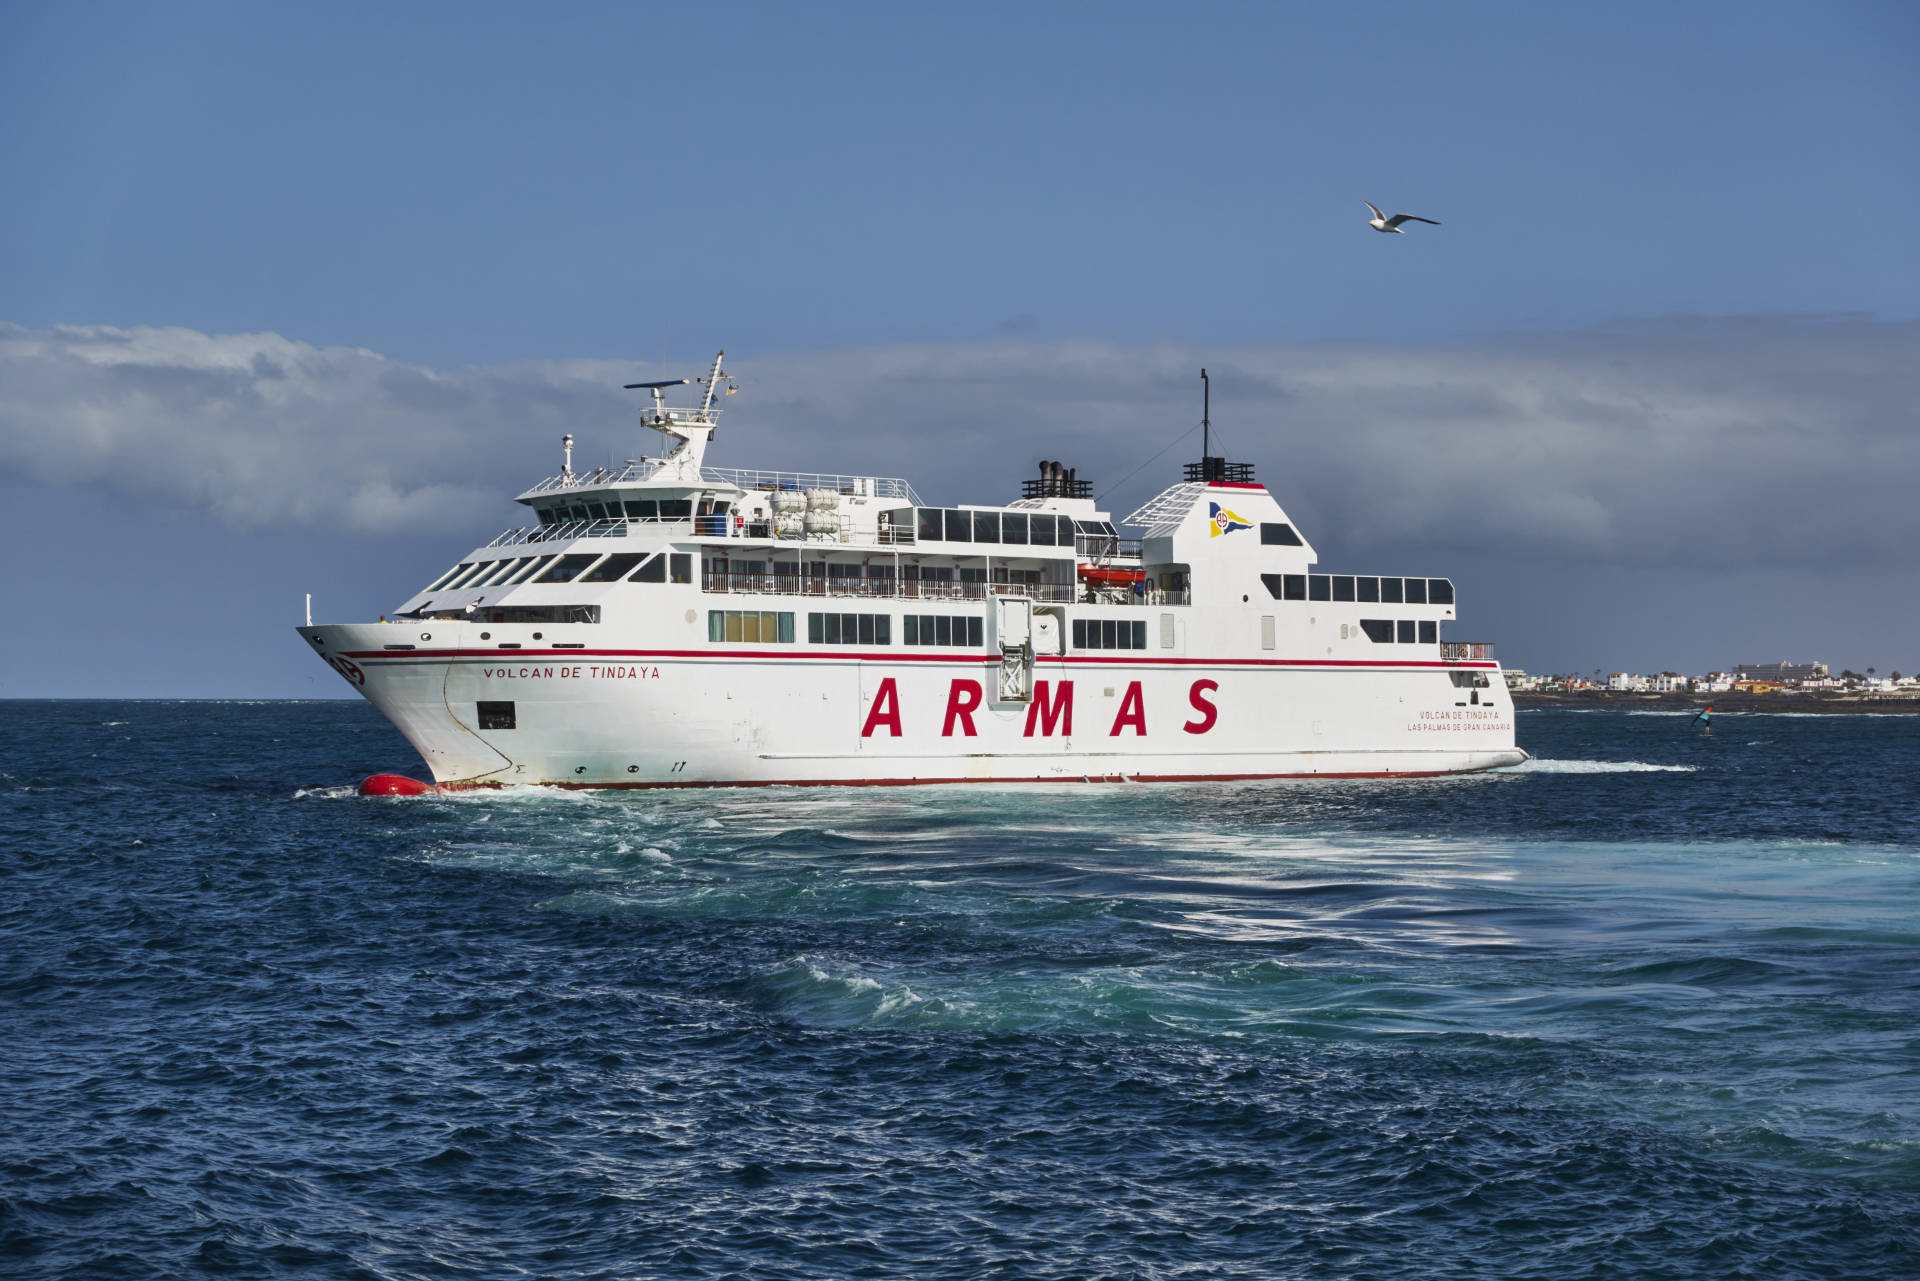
x,y
1689,442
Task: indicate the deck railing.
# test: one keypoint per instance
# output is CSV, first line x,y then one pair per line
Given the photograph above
x,y
1466,651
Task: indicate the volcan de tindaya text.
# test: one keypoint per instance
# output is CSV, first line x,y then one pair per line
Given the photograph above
x,y
672,624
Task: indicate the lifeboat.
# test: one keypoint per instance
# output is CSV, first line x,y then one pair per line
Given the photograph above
x,y
1109,576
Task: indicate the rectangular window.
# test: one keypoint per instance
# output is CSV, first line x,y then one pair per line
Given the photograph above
x,y
1013,528
1439,591
596,511
1139,634
568,567
1416,591
578,511
1296,585
1378,630
986,527
959,526
1079,633
1367,589
1275,586
1343,586
642,509
1429,632
1390,591
839,629
1274,534
652,571
753,627
912,629
943,630
611,568
1040,527
1406,631
680,566
495,715
1319,587
546,517
1109,634
1266,631
932,530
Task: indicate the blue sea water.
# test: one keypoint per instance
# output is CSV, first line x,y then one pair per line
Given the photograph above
x,y
1647,1006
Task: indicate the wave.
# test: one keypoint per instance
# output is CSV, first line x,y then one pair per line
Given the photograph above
x,y
1538,765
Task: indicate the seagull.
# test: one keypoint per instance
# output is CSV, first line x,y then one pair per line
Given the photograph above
x,y
1380,222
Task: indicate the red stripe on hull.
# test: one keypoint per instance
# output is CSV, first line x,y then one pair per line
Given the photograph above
x,y
943,782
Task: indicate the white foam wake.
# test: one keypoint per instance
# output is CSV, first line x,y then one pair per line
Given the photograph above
x,y
1539,766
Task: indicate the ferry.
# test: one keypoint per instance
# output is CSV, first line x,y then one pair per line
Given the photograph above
x,y
673,624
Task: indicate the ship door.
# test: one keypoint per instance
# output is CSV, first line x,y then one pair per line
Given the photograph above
x,y
1013,620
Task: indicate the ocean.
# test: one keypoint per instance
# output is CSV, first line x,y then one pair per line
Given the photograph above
x,y
1647,1006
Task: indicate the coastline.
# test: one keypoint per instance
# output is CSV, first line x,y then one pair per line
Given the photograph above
x,y
1823,703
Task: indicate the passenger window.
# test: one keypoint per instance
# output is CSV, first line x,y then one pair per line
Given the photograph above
x,y
1429,632
1041,526
1296,586
932,530
986,527
1406,631
612,567
680,567
653,571
1378,630
1013,527
568,568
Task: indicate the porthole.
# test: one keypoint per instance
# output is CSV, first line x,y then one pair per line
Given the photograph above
x,y
633,769
579,769
486,635
426,635
536,635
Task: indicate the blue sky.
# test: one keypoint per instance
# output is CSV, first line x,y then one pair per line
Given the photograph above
x,y
511,204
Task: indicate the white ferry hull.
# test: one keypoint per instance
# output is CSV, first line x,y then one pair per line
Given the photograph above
x,y
631,718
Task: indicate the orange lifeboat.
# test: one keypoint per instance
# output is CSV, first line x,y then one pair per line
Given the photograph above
x,y
1114,577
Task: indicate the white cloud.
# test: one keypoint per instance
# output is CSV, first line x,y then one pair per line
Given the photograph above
x,y
1692,442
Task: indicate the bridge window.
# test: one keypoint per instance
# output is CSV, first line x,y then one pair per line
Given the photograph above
x,y
1319,587
1439,591
1343,586
1367,589
1390,593
642,509
849,629
1416,591
1276,534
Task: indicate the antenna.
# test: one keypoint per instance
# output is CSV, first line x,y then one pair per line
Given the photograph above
x,y
1206,413
712,382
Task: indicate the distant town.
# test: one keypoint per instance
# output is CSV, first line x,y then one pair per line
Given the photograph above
x,y
1742,678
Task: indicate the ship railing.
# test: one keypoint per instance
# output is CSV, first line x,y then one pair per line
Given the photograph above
x,y
1104,547
851,486
1466,651
610,527
733,583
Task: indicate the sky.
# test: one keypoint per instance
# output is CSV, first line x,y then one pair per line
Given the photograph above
x,y
294,301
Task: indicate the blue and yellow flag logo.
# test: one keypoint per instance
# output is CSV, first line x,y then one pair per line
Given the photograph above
x,y
1224,521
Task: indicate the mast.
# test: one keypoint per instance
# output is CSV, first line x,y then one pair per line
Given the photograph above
x,y
712,380
1206,412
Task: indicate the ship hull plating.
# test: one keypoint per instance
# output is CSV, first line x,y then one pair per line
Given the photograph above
x,y
481,715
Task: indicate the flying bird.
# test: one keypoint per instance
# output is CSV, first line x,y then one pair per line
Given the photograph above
x,y
1380,222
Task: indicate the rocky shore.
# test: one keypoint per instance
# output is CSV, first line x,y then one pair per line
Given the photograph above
x,y
1829,701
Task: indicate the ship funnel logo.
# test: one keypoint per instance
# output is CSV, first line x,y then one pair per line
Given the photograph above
x,y
1224,521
